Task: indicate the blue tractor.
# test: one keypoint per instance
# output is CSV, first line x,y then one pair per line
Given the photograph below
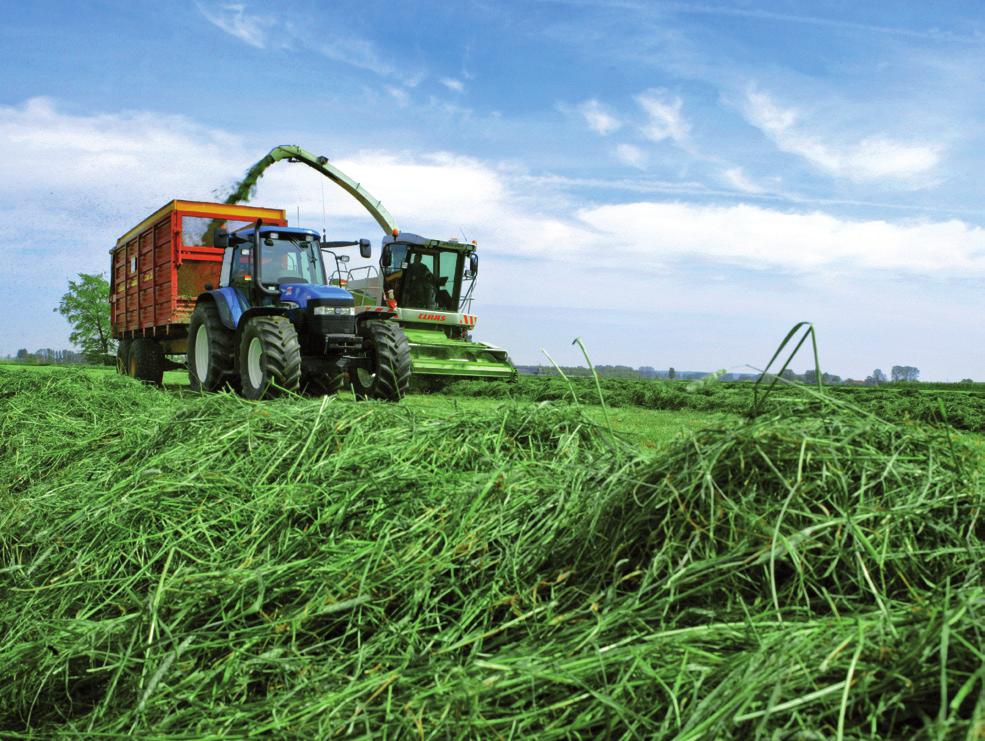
x,y
274,324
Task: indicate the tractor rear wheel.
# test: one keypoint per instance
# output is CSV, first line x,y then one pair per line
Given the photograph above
x,y
146,361
123,357
211,352
390,364
269,357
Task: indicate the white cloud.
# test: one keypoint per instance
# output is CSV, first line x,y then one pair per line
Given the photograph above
x,y
234,20
598,118
452,84
738,180
631,155
666,120
872,158
805,242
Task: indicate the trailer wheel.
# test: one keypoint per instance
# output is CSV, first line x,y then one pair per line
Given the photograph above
x,y
210,350
146,361
123,357
389,355
269,357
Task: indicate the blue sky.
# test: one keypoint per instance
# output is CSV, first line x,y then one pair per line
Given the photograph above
x,y
677,182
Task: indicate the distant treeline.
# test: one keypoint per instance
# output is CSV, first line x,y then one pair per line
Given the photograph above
x,y
47,356
898,374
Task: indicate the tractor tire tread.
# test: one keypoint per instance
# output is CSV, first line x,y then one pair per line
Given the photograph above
x,y
282,352
221,348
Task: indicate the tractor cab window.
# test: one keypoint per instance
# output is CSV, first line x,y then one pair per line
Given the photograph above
x,y
242,268
290,259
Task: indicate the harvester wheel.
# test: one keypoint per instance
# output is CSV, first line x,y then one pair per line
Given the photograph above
x,y
123,357
146,361
211,350
389,355
269,357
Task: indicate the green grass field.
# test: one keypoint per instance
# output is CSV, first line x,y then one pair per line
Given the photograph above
x,y
489,561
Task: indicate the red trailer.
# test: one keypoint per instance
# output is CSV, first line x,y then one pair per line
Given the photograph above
x,y
159,268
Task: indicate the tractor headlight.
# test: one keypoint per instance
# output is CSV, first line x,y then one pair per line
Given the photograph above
x,y
334,311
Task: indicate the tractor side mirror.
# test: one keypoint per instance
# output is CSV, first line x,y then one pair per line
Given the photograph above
x,y
385,257
474,264
220,239
365,248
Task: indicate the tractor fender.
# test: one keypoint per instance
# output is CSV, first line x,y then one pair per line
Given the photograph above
x,y
258,311
227,304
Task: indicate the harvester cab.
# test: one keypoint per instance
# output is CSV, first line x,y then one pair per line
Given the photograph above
x,y
274,322
429,274
428,285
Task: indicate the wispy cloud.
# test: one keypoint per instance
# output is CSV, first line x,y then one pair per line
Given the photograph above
x,y
234,20
398,94
871,158
935,34
631,155
599,118
735,177
295,33
456,86
666,118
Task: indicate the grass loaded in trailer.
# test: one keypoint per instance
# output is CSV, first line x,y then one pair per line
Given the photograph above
x,y
247,299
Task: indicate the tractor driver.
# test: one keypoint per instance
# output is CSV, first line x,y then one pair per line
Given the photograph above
x,y
275,267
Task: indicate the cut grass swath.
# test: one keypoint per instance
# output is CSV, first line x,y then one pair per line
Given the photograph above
x,y
178,567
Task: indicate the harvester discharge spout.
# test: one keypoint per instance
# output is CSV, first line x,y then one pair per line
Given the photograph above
x,y
244,190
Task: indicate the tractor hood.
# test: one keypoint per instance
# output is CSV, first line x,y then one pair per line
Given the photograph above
x,y
302,293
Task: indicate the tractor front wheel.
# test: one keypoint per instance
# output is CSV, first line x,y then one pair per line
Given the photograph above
x,y
269,357
210,350
388,377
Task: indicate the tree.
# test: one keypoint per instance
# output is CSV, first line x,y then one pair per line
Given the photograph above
x,y
876,378
671,374
905,373
23,354
86,306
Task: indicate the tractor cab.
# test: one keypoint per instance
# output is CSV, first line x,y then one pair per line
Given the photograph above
x,y
262,262
428,274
